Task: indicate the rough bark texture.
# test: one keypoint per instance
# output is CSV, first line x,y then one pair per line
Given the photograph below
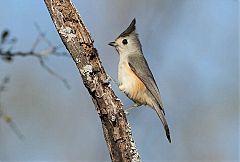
x,y
78,41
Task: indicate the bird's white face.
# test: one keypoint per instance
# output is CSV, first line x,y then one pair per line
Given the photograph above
x,y
126,45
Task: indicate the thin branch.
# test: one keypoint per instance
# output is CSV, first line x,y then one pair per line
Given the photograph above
x,y
42,63
42,35
50,44
8,119
8,55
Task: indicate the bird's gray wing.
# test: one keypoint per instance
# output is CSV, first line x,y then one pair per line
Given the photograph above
x,y
139,66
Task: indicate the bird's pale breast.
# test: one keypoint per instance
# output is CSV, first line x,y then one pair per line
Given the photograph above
x,y
130,84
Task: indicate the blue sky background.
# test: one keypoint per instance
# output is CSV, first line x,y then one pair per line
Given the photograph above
x,y
192,48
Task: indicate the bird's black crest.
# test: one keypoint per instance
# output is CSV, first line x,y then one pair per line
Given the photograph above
x,y
130,29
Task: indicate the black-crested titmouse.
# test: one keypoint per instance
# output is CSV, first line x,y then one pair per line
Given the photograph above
x,y
134,76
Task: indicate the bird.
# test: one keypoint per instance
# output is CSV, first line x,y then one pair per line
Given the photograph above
x,y
135,78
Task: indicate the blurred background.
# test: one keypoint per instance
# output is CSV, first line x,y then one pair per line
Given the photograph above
x,y
190,45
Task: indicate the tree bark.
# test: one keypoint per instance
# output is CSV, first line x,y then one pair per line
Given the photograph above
x,y
79,43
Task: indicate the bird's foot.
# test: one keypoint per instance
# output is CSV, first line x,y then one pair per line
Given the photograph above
x,y
135,105
109,78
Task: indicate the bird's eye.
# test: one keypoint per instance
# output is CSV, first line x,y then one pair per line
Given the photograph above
x,y
125,41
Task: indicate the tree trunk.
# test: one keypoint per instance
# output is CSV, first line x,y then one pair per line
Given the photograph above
x,y
78,42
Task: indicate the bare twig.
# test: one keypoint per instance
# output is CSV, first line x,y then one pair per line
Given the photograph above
x,y
8,119
42,63
8,55
54,48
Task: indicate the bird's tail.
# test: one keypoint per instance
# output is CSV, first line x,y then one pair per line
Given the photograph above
x,y
160,113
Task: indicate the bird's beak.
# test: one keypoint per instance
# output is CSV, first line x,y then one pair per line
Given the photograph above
x,y
112,44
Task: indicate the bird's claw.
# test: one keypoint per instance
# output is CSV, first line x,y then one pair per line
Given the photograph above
x,y
109,78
